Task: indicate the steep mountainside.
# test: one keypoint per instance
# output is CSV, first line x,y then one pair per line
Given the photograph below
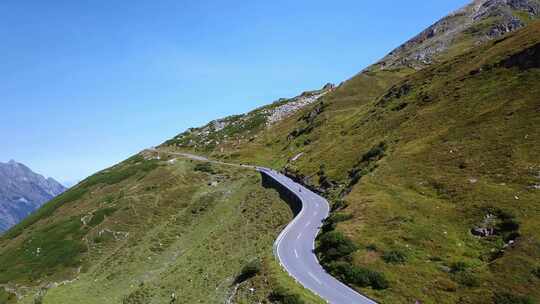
x,y
435,173
432,168
480,21
22,191
233,131
152,229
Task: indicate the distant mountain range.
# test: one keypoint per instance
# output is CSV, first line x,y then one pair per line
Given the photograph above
x,y
22,191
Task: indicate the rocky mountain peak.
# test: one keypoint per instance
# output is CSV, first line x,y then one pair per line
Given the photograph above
x,y
475,23
22,191
481,6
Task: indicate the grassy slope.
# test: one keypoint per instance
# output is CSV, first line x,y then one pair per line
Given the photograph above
x,y
145,229
462,140
423,198
461,143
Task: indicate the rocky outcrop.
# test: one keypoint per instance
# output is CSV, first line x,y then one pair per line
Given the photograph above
x,y
480,21
23,191
293,105
237,129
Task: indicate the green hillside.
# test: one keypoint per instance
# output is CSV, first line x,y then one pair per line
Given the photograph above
x,y
422,158
153,229
432,168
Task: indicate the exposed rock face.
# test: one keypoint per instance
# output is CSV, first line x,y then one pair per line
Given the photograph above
x,y
481,20
23,191
236,129
295,104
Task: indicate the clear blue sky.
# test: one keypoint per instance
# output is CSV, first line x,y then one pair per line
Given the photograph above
x,y
85,84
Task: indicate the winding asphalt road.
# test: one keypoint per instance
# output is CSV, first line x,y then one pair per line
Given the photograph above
x,y
295,245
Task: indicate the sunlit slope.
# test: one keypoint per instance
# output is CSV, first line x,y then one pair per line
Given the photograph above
x,y
423,160
433,171
150,230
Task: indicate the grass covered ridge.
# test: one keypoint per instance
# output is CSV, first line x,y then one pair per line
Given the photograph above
x,y
433,176
419,159
154,230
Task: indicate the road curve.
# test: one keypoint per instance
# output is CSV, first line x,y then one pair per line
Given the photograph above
x,y
295,246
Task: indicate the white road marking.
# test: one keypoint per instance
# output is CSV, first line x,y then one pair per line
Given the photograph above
x,y
299,236
308,223
296,253
314,277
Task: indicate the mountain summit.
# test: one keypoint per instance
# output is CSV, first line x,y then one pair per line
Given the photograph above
x,y
23,191
478,22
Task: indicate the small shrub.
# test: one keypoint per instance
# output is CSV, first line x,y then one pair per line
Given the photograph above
x,y
281,295
338,205
508,225
331,222
352,274
334,245
458,267
360,276
466,278
139,296
366,164
343,271
38,299
508,298
204,203
440,188
104,237
249,270
446,285
375,153
371,247
341,217
394,257
328,226
378,280
100,215
536,272
204,167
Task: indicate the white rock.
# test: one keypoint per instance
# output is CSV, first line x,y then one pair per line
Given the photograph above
x,y
297,156
289,108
